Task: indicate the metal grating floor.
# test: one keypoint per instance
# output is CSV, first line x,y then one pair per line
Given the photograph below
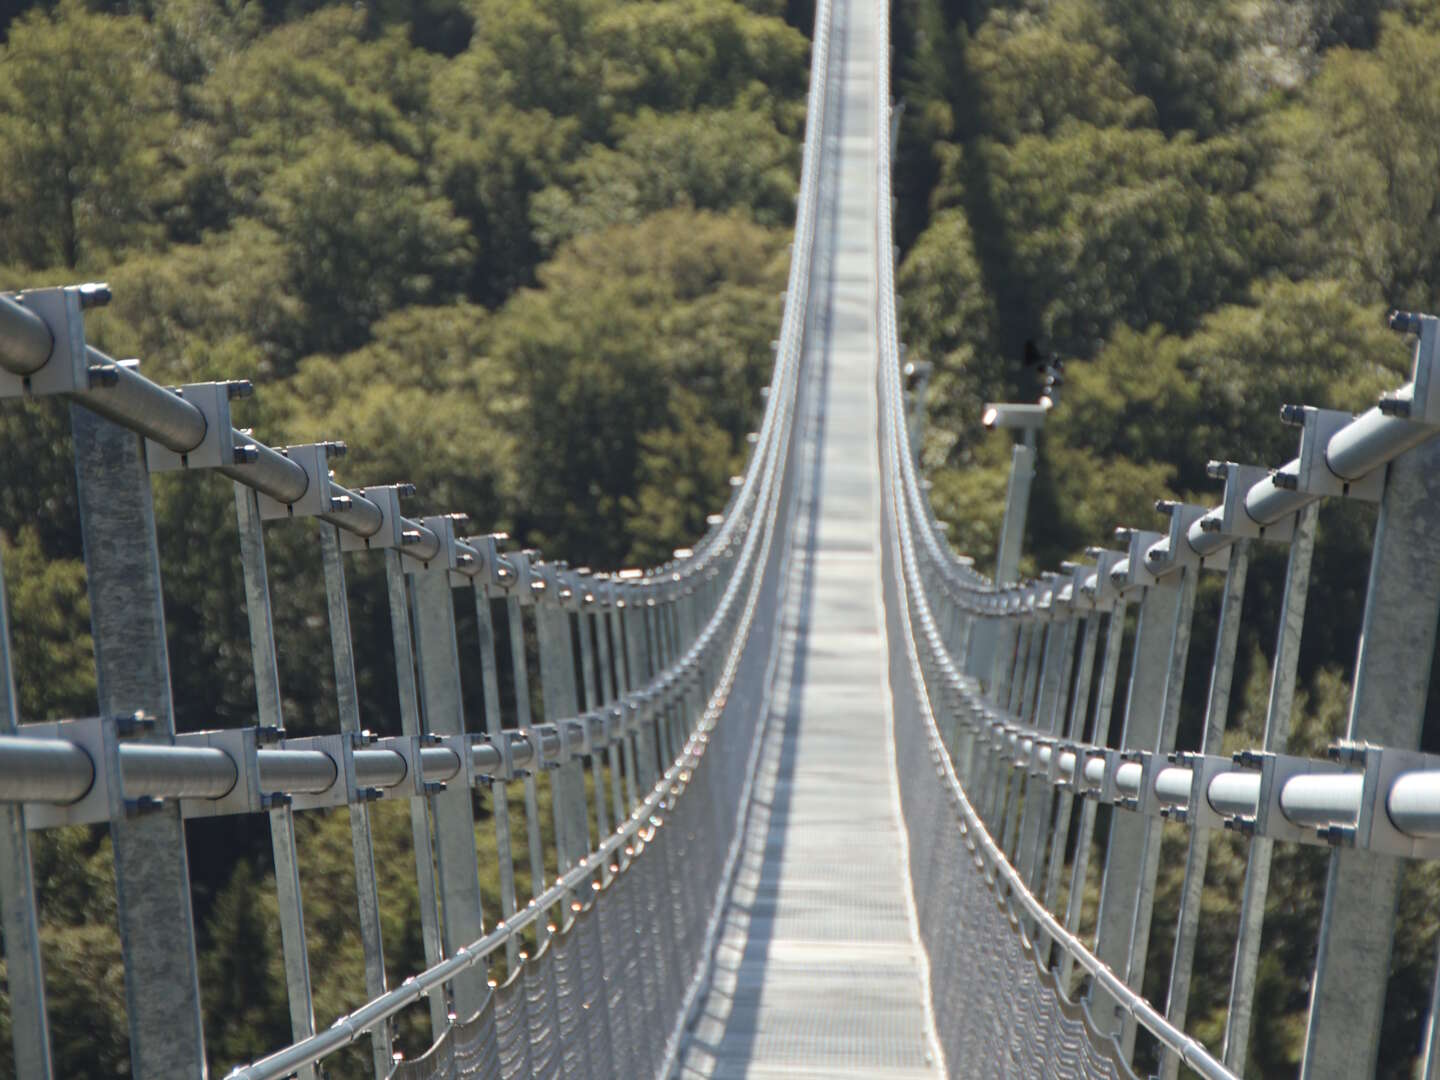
x,y
819,971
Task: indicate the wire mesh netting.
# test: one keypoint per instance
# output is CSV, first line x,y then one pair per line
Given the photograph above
x,y
994,1003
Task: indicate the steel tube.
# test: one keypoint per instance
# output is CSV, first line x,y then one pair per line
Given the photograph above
x,y
439,763
271,473
144,407
1322,798
386,768
25,340
44,770
1172,786
1127,778
1356,450
1235,793
1372,439
1414,803
176,772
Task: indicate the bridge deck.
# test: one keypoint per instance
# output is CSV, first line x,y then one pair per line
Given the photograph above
x,y
819,971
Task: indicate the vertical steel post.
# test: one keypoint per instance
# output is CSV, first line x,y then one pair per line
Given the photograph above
x,y
132,666
607,697
1058,651
1387,707
1139,946
525,722
443,711
557,696
1217,708
1121,878
1025,645
997,636
398,594
19,915
499,797
1031,821
589,662
623,686
1277,736
1079,702
1085,833
362,845
282,821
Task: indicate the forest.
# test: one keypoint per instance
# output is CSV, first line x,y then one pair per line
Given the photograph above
x,y
525,254
1205,207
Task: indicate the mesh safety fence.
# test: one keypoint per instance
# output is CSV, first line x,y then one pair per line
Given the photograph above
x,y
994,1001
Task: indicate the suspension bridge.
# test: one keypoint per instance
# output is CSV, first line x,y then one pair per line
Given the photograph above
x,y
845,792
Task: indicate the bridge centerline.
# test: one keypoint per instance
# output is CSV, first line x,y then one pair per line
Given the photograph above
x,y
819,969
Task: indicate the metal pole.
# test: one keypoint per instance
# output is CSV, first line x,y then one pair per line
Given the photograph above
x,y
1017,505
623,687
1059,654
1138,952
1121,877
1217,708
525,722
597,771
557,699
152,874
1277,736
24,964
1387,707
1016,683
1054,709
362,845
607,697
398,593
500,802
1099,734
1078,704
444,714
282,822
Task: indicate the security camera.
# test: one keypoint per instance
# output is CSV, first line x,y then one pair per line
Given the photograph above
x,y
1022,417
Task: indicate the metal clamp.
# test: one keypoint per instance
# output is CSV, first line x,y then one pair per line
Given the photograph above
x,y
1424,404
340,749
391,533
1109,791
505,747
1198,812
410,748
242,746
67,371
1235,520
1139,541
95,736
1181,554
1055,776
314,459
218,448
1147,802
1276,770
495,571
1374,830
538,733
1314,476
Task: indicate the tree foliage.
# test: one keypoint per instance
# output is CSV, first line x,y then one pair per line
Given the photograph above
x,y
525,254
1206,208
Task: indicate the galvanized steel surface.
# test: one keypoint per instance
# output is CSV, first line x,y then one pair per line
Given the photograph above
x,y
819,972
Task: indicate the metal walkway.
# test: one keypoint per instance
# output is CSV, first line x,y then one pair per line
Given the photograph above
x,y
819,972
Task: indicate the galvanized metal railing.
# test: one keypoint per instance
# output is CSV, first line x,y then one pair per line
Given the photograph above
x,y
652,680
997,680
